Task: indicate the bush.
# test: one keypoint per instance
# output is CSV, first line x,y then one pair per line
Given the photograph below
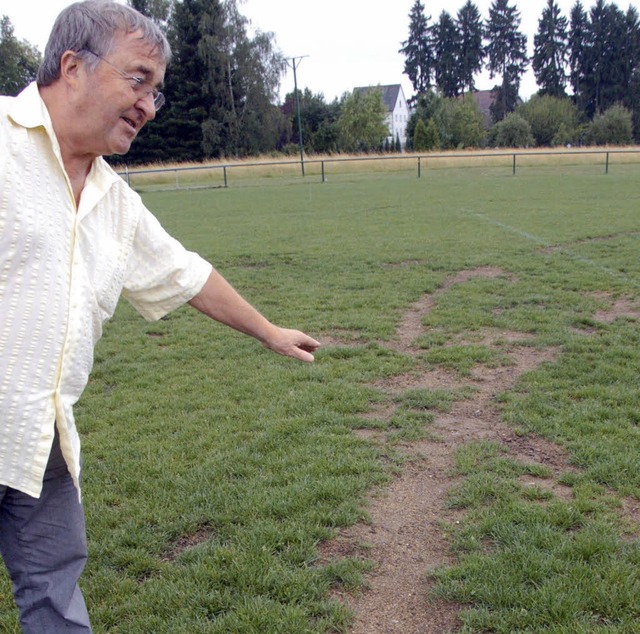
x,y
512,131
456,122
467,123
426,136
614,127
554,121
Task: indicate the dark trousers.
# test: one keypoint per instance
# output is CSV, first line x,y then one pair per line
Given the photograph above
x,y
43,544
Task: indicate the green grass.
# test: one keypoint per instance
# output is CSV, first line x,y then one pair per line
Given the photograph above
x,y
213,469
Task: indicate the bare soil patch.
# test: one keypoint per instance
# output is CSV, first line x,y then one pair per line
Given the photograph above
x,y
621,308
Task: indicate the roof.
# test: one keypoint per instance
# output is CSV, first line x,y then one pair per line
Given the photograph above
x,y
389,94
485,99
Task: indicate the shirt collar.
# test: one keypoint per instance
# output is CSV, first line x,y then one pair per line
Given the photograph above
x,y
29,110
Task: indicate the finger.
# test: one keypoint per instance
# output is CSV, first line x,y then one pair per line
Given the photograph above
x,y
302,355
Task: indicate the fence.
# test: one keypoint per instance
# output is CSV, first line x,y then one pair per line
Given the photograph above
x,y
418,161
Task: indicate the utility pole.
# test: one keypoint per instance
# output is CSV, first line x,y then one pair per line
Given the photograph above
x,y
294,62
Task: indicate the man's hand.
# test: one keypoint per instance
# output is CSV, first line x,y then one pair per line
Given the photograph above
x,y
292,343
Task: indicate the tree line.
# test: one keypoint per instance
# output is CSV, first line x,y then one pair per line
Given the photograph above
x,y
223,82
586,65
222,91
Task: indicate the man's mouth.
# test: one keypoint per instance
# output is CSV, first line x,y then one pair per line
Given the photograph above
x,y
130,123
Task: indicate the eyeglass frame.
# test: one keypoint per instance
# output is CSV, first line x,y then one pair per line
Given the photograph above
x,y
158,98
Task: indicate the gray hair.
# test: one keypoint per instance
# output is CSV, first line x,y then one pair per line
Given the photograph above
x,y
92,25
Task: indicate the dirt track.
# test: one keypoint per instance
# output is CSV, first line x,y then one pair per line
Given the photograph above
x,y
404,537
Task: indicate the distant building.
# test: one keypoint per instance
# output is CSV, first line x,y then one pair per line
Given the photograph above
x,y
485,99
398,111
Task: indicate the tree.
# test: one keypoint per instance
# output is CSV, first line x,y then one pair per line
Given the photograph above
x,y
602,43
221,87
157,10
176,133
598,23
467,123
613,127
428,106
506,52
362,123
19,61
512,131
242,78
550,51
578,53
318,121
505,98
425,137
418,50
554,120
458,121
471,55
632,99
447,48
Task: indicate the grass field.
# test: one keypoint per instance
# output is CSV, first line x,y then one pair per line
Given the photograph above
x,y
214,469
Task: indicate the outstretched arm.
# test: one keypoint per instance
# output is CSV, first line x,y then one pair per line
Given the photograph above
x,y
220,301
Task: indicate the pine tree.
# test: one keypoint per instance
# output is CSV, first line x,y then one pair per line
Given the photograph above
x,y
550,51
619,58
506,52
447,48
578,53
157,10
221,87
632,98
596,52
418,50
426,136
471,54
608,59
176,133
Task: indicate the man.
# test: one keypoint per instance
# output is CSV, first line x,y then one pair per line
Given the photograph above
x,y
73,237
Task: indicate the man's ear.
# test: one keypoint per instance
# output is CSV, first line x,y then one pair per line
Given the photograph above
x,y
70,67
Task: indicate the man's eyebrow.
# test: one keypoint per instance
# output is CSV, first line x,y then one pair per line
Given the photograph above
x,y
146,71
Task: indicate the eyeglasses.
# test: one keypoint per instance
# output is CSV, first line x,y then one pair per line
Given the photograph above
x,y
140,86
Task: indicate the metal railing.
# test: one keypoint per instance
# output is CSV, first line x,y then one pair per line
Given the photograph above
x,y
419,160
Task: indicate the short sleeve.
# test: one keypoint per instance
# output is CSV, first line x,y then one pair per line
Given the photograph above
x,y
161,275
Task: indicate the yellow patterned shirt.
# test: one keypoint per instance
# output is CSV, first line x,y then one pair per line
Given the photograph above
x,y
62,271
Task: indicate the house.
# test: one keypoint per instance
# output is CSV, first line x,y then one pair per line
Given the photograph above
x,y
398,112
485,100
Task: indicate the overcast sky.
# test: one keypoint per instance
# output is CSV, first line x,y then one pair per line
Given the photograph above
x,y
349,43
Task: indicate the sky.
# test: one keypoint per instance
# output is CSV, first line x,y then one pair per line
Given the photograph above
x,y
337,44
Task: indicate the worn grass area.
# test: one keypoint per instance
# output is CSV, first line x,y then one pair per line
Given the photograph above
x,y
213,469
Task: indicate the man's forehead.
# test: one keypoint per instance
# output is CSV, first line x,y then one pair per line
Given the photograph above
x,y
138,54
135,44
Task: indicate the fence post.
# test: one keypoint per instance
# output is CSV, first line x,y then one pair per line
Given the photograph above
x,y
324,180
514,164
226,184
606,171
419,168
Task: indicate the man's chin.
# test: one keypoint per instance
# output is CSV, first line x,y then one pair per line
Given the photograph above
x,y
121,148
